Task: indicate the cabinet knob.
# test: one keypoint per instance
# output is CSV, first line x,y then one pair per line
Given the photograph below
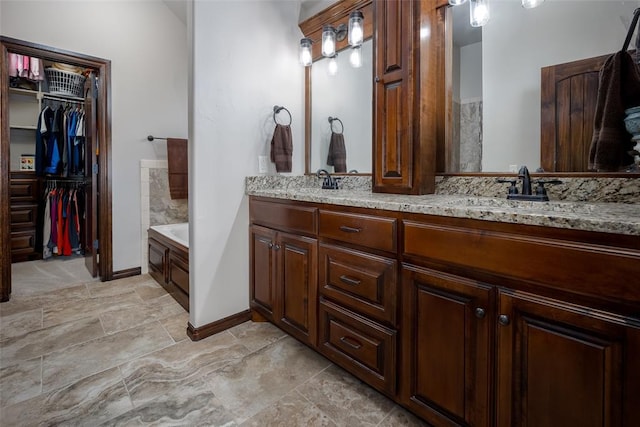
x,y
377,79
276,247
480,313
503,319
270,245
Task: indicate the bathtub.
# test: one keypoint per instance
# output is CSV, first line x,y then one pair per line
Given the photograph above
x,y
169,259
177,232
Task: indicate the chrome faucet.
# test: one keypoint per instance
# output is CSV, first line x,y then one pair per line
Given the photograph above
x,y
329,182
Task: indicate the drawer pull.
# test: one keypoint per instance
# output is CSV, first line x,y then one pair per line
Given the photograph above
x,y
351,342
349,281
348,229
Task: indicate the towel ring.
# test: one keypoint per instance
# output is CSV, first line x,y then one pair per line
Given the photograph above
x,y
276,110
331,120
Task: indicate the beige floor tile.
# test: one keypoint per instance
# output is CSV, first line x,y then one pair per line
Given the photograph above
x,y
176,325
93,306
402,418
39,276
69,365
193,404
20,323
291,410
48,340
88,402
263,377
21,381
345,399
163,371
255,335
131,315
21,303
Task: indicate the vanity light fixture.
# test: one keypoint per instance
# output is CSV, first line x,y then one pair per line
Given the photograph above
x,y
456,2
356,29
328,41
530,4
479,12
306,57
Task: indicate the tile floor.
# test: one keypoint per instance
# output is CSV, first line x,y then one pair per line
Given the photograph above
x,y
89,353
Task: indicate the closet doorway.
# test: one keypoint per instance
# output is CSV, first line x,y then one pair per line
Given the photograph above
x,y
93,178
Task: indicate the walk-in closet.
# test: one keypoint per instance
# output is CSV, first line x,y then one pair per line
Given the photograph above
x,y
55,152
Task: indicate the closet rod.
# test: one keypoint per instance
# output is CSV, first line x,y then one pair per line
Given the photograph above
x,y
70,99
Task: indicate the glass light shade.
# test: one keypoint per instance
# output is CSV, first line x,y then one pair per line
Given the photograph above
x,y
356,57
305,52
328,41
332,68
479,12
530,4
356,28
456,2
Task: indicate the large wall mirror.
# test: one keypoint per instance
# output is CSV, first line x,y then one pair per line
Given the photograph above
x,y
495,74
347,97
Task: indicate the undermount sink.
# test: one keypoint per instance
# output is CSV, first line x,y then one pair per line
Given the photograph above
x,y
520,205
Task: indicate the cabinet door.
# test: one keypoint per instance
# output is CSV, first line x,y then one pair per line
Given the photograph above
x,y
446,351
565,365
263,275
393,96
297,278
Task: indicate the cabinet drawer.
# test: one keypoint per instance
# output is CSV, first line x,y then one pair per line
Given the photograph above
x,y
362,282
364,348
157,256
364,230
23,242
24,190
178,273
283,216
24,216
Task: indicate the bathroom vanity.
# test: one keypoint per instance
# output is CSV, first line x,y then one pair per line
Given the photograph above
x,y
465,310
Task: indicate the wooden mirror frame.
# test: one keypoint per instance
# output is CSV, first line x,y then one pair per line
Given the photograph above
x,y
334,15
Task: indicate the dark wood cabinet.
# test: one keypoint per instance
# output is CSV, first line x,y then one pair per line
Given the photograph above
x,y
447,329
284,281
169,266
24,199
560,364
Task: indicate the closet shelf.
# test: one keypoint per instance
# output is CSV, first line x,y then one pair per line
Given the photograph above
x,y
23,127
44,95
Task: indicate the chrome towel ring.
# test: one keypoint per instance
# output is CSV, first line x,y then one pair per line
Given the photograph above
x,y
276,110
333,119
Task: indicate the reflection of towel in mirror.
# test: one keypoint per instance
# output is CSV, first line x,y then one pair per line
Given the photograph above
x,y
618,89
282,148
337,156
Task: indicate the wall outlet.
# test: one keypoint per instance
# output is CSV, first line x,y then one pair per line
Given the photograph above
x,y
263,164
513,168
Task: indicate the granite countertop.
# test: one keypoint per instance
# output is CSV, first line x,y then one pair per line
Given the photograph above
x,y
618,218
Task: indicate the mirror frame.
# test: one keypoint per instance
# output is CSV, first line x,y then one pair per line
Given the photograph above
x,y
334,15
444,142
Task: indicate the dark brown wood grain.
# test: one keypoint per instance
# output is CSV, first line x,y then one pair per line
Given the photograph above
x,y
169,266
568,102
363,230
202,332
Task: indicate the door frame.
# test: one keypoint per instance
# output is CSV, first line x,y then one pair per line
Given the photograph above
x,y
103,67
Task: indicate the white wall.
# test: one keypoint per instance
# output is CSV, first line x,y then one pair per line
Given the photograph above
x,y
147,46
517,42
245,61
471,72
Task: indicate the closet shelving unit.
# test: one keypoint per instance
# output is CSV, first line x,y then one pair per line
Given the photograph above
x,y
26,188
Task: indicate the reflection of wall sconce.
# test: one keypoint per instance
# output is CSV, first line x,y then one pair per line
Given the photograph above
x,y
305,52
479,9
332,67
331,35
356,57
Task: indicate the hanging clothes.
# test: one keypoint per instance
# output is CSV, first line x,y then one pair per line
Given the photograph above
x,y
63,209
60,142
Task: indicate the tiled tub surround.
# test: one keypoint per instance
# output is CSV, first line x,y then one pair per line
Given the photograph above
x,y
463,201
157,207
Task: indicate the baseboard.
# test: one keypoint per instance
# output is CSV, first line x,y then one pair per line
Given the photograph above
x,y
196,334
129,272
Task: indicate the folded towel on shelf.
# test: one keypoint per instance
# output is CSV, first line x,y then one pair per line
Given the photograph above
x,y
337,156
282,148
618,89
178,163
